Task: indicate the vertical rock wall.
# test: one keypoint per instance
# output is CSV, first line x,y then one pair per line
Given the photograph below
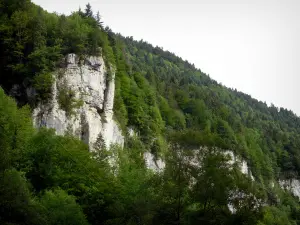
x,y
94,90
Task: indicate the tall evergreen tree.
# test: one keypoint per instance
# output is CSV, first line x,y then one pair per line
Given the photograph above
x,y
88,10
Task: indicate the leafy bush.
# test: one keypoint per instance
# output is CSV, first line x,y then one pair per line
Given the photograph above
x,y
16,202
43,83
33,41
61,208
67,99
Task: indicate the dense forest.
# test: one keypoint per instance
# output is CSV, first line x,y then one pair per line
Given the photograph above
x,y
174,108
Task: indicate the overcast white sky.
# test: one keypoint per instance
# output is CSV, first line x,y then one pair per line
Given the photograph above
x,y
253,46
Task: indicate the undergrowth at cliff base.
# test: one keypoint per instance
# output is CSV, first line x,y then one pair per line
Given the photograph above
x,y
173,108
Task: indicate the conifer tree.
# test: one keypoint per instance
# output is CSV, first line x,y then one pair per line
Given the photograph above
x,y
88,10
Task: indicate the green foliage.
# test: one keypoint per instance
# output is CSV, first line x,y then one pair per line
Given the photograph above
x,y
134,192
51,155
61,208
276,216
16,202
67,99
219,184
15,131
33,43
173,118
45,58
172,106
73,186
158,147
88,11
43,85
187,98
135,99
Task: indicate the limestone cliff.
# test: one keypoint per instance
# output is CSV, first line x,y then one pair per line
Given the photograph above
x,y
91,85
158,165
243,165
292,185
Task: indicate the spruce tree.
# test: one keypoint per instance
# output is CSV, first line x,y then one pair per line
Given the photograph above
x,y
88,10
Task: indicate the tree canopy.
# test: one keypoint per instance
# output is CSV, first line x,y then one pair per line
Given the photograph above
x,y
178,113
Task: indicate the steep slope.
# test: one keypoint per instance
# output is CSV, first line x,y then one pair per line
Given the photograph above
x,y
207,113
82,102
82,81
71,93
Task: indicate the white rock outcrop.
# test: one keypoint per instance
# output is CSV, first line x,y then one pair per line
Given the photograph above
x,y
131,132
89,82
157,165
243,165
292,185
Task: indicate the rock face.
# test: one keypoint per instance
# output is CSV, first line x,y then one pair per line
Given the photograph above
x,y
156,165
292,185
243,165
91,86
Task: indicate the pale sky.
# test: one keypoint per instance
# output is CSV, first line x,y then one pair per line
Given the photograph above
x,y
250,45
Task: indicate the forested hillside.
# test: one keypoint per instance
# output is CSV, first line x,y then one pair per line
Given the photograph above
x,y
177,112
196,106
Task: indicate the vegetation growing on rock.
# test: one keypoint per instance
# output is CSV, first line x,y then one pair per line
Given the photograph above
x,y
173,107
